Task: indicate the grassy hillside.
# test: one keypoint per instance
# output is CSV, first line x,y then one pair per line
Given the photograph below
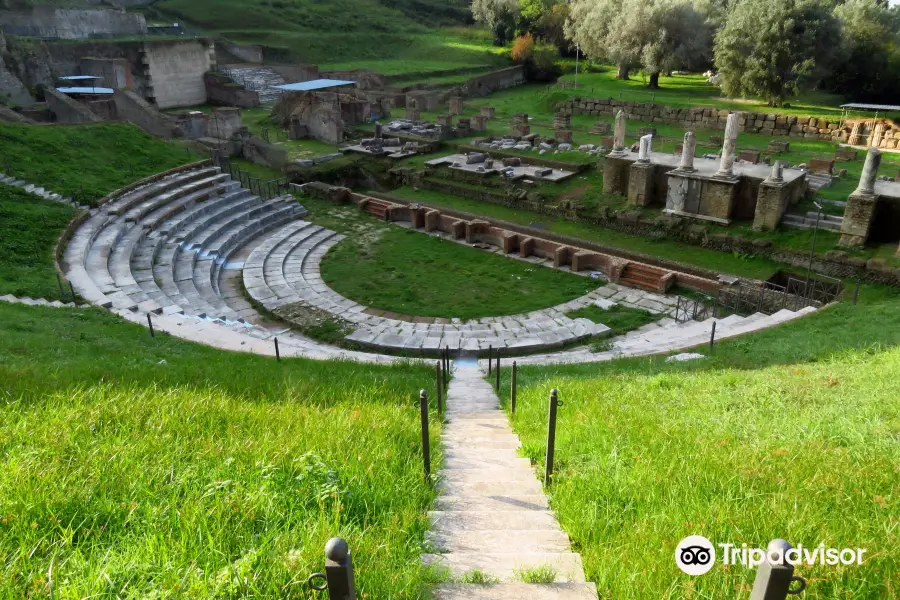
x,y
791,432
85,161
147,467
30,227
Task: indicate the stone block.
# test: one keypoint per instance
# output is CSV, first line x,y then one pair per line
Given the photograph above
x,y
771,202
615,175
444,120
845,154
510,241
561,256
432,220
459,229
640,184
456,105
563,136
858,216
821,166
751,156
526,247
479,123
777,146
487,112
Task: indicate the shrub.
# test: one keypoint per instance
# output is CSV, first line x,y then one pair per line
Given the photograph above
x,y
523,49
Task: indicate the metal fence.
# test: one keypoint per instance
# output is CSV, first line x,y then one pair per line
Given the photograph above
x,y
745,298
694,309
264,189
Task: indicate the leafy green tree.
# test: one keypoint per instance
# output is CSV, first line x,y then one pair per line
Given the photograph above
x,y
500,16
772,48
658,35
867,62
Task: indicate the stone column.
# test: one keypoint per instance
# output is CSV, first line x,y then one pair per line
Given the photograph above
x,y
727,162
777,174
861,204
644,153
877,135
771,200
619,134
688,149
870,172
854,140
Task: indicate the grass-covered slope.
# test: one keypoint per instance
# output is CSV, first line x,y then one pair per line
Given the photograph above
x,y
139,467
792,432
85,162
29,227
410,273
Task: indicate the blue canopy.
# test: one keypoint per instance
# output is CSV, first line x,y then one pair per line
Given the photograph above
x,y
316,84
85,90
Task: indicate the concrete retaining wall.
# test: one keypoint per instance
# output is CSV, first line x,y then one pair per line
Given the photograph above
x,y
74,24
175,71
131,107
67,110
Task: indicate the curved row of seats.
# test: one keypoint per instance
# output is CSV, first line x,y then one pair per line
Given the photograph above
x,y
162,248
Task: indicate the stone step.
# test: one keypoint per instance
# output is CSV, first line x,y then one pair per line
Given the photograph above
x,y
505,566
447,521
516,591
489,459
522,540
490,503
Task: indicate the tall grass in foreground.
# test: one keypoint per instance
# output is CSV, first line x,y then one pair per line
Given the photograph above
x,y
808,452
133,467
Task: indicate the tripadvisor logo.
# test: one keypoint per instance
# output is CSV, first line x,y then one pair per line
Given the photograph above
x,y
696,555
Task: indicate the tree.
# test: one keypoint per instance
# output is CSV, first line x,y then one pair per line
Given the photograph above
x,y
659,35
590,25
865,66
552,26
523,49
771,48
499,15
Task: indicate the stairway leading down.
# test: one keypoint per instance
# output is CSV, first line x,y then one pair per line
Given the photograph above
x,y
173,247
492,515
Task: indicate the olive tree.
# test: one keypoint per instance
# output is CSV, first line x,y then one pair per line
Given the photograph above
x,y
772,48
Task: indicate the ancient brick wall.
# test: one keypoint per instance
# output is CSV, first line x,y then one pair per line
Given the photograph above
x,y
771,124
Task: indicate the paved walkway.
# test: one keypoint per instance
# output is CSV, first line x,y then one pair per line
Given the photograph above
x,y
492,515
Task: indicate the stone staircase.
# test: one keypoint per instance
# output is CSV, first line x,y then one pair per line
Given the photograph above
x,y
492,515
36,301
808,221
38,191
261,80
668,335
645,277
376,208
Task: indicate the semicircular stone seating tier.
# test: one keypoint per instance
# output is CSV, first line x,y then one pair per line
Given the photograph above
x,y
173,248
181,247
285,270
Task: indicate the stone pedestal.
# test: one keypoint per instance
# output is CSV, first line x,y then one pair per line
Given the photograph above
x,y
456,105
521,130
683,192
640,184
444,120
858,218
717,197
563,136
616,171
771,202
413,114
464,127
479,123
487,112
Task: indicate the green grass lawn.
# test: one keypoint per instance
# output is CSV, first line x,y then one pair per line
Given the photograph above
x,y
147,467
29,228
620,319
410,273
85,162
790,432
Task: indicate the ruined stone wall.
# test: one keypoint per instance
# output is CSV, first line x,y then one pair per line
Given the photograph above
x,y
488,83
12,90
711,118
69,58
221,90
175,71
131,107
73,24
67,110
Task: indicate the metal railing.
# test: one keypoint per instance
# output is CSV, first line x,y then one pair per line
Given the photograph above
x,y
264,189
693,309
769,298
